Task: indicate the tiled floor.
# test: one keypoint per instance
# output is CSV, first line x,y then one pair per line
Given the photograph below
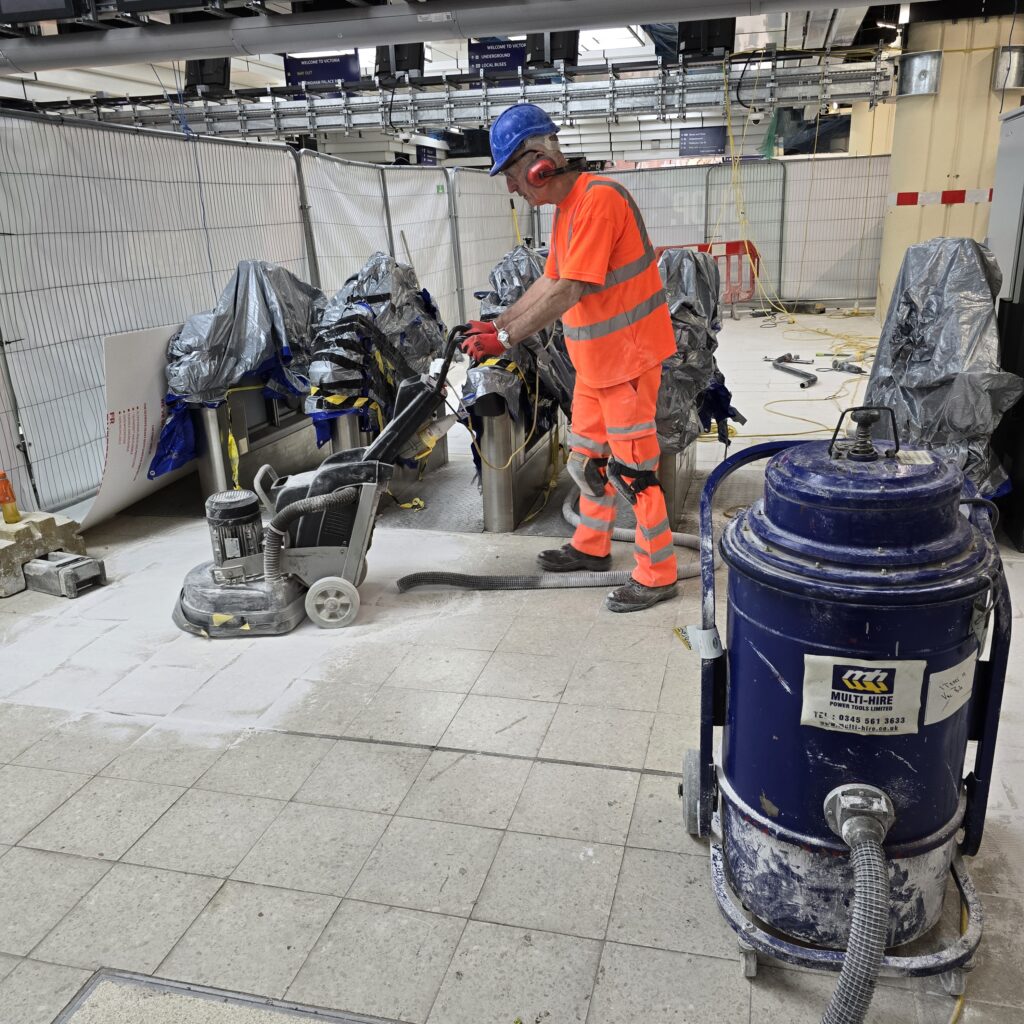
x,y
460,810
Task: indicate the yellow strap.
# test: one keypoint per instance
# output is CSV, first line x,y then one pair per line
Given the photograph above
x,y
232,443
233,456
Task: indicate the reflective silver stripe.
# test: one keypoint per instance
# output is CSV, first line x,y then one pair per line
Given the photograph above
x,y
617,322
654,557
601,525
640,466
654,531
639,265
579,441
649,425
629,270
554,245
605,501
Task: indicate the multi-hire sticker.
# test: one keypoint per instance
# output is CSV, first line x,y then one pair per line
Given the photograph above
x,y
873,698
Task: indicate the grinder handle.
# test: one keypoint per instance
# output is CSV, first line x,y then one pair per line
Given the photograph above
x,y
455,335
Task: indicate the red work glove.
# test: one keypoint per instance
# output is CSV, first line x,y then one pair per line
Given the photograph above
x,y
482,340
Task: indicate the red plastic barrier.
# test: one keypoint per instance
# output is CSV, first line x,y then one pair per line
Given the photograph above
x,y
739,264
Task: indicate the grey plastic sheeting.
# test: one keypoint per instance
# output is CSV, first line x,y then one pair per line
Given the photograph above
x,y
264,315
378,330
543,353
390,292
937,364
692,286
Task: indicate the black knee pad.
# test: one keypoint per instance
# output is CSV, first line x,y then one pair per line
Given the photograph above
x,y
640,479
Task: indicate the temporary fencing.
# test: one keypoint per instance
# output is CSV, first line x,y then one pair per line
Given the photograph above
x,y
107,230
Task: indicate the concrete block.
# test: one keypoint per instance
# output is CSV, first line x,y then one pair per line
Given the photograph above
x,y
35,536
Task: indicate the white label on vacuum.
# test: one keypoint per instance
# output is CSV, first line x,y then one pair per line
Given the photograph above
x,y
949,691
232,549
871,698
912,457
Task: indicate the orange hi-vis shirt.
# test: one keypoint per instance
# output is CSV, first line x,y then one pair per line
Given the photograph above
x,y
621,327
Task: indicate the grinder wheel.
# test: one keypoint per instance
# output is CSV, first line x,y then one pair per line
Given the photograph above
x,y
332,602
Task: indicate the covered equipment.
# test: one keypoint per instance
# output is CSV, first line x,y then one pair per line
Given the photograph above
x,y
937,365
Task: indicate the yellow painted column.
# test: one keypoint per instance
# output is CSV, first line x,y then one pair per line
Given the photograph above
x,y
945,141
871,128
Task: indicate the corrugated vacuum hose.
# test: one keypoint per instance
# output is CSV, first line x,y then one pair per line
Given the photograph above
x,y
277,528
549,580
866,947
862,815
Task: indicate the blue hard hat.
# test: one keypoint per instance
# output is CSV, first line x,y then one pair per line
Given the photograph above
x,y
513,127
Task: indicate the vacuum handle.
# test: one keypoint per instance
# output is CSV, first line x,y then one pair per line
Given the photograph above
x,y
867,408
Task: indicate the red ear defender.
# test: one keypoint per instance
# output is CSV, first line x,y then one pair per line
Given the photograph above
x,y
540,170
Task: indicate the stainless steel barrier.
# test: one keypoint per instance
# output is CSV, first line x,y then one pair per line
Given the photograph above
x,y
289,446
513,479
676,474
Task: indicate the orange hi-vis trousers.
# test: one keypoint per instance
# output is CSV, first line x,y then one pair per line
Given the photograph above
x,y
619,421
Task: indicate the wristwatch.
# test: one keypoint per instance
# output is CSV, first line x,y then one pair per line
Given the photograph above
x,y
503,337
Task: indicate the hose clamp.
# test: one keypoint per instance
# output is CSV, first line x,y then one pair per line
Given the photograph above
x,y
857,813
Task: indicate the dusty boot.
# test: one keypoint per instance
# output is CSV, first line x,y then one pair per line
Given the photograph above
x,y
634,597
568,559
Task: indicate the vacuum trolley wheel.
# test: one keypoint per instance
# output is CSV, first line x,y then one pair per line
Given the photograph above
x,y
332,602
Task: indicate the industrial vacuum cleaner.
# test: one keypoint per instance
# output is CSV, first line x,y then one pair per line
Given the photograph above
x,y
867,644
311,558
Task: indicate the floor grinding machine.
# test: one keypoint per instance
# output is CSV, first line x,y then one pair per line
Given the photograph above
x,y
311,558
862,590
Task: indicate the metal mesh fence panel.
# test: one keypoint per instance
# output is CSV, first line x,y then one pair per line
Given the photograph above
x,y
418,201
749,208
346,215
486,229
108,231
671,200
835,211
11,459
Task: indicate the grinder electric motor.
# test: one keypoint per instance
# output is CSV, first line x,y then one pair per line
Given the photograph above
x,y
862,590
310,559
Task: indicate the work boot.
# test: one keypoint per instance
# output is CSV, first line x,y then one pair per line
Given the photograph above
x,y
634,597
568,559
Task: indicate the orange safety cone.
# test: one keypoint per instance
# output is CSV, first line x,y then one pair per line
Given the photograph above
x,y
8,503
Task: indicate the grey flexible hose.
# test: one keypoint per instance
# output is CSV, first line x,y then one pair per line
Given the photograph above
x,y
549,580
868,931
277,528
680,540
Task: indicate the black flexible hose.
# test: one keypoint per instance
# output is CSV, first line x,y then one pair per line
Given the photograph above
x,y
990,506
277,528
549,580
868,932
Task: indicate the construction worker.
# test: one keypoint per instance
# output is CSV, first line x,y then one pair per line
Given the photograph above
x,y
602,280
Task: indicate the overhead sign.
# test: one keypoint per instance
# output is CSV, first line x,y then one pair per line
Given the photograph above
x,y
426,155
497,54
709,141
340,67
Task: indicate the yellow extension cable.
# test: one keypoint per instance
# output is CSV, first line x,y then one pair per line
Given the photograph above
x,y
856,347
